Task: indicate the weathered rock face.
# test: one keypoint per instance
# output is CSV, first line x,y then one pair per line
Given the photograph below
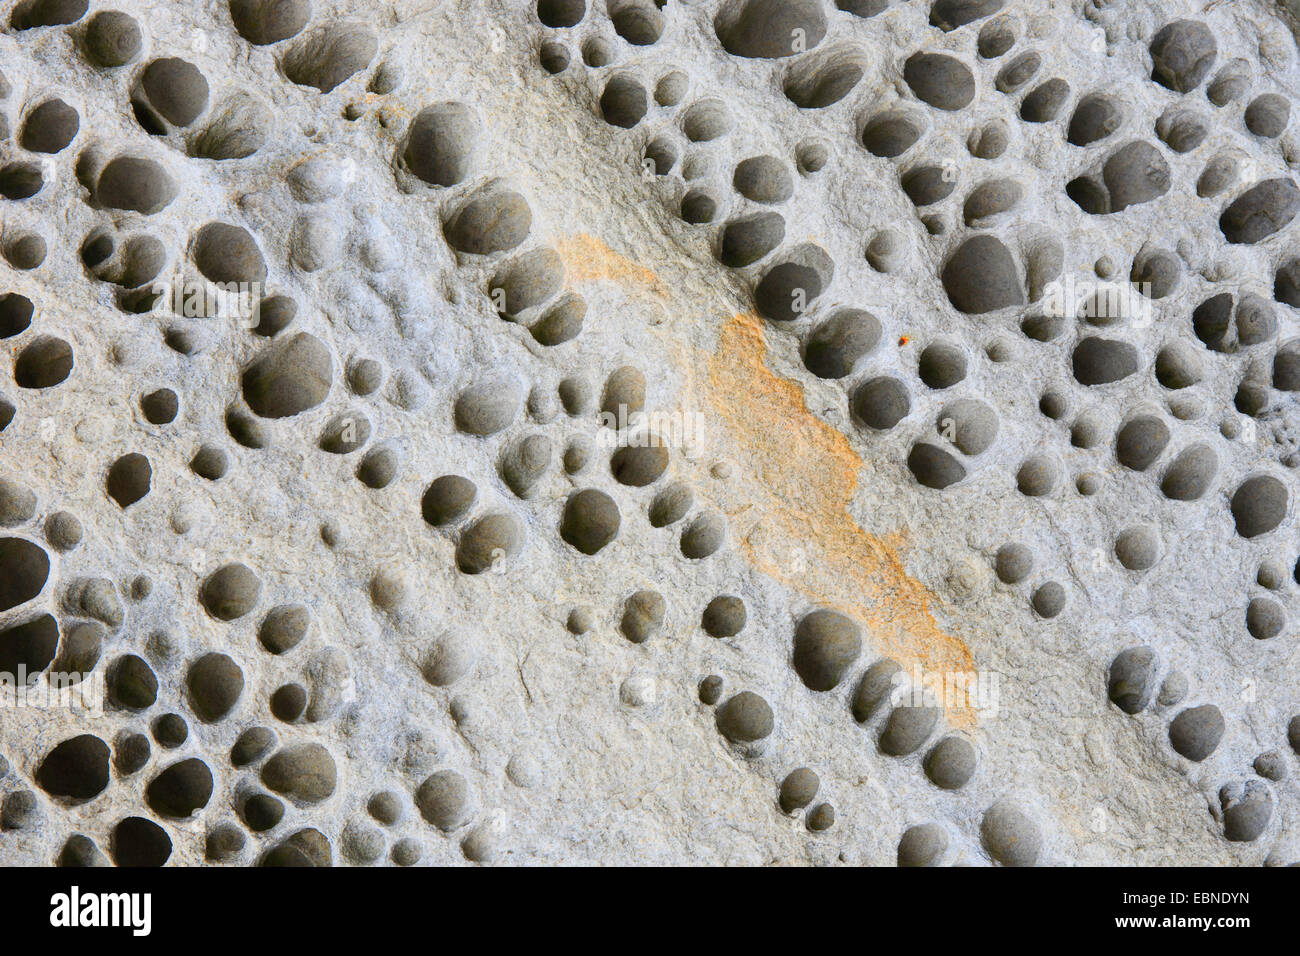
x,y
422,442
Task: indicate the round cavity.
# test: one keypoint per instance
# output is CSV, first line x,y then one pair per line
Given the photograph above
x,y
623,103
942,365
837,343
44,362
1049,600
811,157
1270,574
16,311
989,142
112,39
881,403
1267,115
1265,618
1044,103
885,251
1038,476
597,53
1178,366
934,467
660,156
698,207
160,406
561,14
1001,350
817,83
996,37
927,185
942,81
1054,405
771,29
891,134
26,252
970,424
671,88
706,121
1141,441
554,57
1088,430
763,179
1013,563
1259,505
1138,549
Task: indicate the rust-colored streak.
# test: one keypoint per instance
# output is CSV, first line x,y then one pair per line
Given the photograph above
x,y
798,480
800,475
587,258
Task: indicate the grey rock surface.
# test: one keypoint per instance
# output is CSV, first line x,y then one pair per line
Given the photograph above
x,y
626,431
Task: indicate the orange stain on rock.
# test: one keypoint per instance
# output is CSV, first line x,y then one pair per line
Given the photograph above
x,y
800,478
588,258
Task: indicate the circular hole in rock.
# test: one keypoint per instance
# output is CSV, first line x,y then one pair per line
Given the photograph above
x,y
770,29
942,81
934,467
1138,549
129,479
1038,476
1049,600
113,39
1259,505
77,768
160,406
181,789
561,14
942,365
623,103
230,592
838,343
330,54
1265,618
44,362
140,842
891,134
215,683
554,57
881,403
262,22
16,312
488,541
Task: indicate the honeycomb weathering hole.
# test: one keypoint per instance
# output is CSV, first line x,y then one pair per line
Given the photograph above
x,y
770,29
